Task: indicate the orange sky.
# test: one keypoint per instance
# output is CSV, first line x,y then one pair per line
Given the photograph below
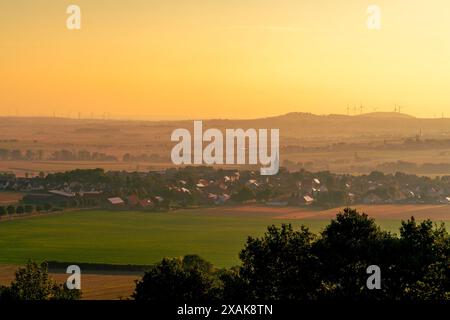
x,y
223,58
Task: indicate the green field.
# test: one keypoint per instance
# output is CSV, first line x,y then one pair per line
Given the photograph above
x,y
138,237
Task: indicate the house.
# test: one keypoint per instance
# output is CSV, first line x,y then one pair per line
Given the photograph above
x,y
252,184
91,194
306,186
133,200
4,184
306,200
314,192
202,183
351,197
184,190
146,203
222,186
63,194
409,194
279,202
372,198
222,199
434,192
212,196
52,197
116,202
38,198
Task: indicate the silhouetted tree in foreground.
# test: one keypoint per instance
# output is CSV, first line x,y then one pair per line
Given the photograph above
x,y
187,279
288,264
33,283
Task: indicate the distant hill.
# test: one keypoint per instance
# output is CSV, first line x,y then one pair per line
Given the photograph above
x,y
386,115
378,124
292,126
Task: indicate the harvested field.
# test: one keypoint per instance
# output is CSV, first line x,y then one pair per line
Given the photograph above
x,y
7,198
93,286
379,212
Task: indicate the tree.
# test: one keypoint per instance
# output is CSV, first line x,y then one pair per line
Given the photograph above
x,y
28,208
280,265
187,279
331,199
243,194
423,266
234,287
346,247
33,283
11,209
2,211
47,206
20,210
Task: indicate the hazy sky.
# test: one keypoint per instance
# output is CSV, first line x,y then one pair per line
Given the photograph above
x,y
223,58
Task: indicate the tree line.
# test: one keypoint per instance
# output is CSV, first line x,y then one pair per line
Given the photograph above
x,y
80,155
24,209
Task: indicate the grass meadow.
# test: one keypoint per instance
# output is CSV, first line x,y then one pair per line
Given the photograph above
x,y
216,234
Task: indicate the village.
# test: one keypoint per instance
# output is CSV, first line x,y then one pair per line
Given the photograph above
x,y
205,186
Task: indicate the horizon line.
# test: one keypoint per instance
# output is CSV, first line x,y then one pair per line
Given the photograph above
x,y
110,117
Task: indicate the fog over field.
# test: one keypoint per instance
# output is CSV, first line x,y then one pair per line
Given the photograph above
x,y
384,141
